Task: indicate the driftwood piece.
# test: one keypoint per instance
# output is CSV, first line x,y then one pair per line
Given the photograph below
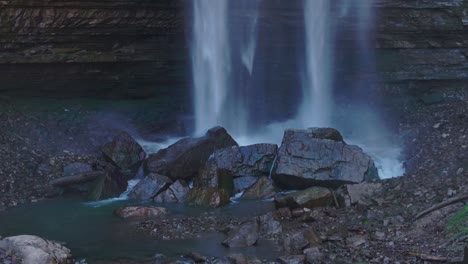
x,y
78,179
442,205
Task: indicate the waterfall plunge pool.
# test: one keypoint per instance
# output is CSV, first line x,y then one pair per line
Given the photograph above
x,y
96,234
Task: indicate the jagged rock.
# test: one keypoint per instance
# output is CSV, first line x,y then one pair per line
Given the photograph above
x,y
253,160
293,259
308,198
211,197
140,211
185,158
262,189
36,250
152,185
245,235
304,160
242,183
176,193
298,240
109,185
360,194
269,225
124,151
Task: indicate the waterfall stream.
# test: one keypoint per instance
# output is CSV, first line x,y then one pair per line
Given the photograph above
x,y
230,70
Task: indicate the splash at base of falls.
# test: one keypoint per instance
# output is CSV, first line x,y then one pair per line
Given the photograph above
x,y
387,156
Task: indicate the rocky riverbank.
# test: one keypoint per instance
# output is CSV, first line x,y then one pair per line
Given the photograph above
x,y
379,228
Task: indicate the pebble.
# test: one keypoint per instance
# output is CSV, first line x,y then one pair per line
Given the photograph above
x,y
460,171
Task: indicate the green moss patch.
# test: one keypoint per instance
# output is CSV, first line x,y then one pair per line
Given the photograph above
x,y
458,224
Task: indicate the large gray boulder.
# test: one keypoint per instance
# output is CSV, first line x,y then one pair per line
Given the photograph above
x,y
185,158
124,151
226,165
148,188
36,250
320,157
110,184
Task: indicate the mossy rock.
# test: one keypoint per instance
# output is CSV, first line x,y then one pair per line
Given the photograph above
x,y
458,224
208,197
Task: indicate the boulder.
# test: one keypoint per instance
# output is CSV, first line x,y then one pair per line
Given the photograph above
x,y
308,198
36,250
262,189
176,193
269,225
185,158
140,211
235,161
245,235
211,197
124,151
320,157
298,240
360,194
148,188
242,183
109,185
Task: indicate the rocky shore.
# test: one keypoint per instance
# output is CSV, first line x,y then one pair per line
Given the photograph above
x,y
373,222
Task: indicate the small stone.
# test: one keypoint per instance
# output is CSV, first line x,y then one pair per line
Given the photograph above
x,y
451,192
379,235
460,171
445,135
355,241
437,125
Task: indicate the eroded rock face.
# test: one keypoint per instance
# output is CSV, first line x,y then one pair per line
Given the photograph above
x,y
82,40
140,211
36,250
185,158
304,160
124,151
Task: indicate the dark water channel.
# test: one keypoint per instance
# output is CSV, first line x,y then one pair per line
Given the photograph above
x,y
94,233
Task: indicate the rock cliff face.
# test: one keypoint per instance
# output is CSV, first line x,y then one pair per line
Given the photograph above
x,y
137,48
103,48
423,49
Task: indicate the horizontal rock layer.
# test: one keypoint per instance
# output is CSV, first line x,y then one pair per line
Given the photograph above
x,y
137,48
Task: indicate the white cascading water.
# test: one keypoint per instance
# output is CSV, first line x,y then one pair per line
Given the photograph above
x,y
210,61
317,98
216,103
220,100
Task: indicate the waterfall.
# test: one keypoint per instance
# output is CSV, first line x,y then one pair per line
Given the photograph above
x,y
221,84
244,88
317,89
210,61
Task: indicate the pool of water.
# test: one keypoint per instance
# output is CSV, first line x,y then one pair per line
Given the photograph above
x,y
94,233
